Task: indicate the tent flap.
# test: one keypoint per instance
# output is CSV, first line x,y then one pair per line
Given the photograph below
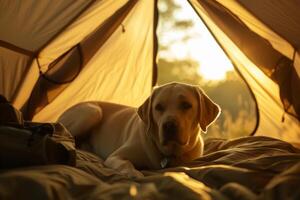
x,y
118,69
260,52
270,74
65,68
30,24
13,65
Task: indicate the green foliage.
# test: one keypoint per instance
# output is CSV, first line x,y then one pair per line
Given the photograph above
x,y
178,70
167,11
238,117
169,7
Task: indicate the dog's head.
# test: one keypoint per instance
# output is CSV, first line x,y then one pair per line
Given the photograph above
x,y
173,113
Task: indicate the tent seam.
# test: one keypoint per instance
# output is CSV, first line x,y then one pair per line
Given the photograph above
x,y
16,48
65,26
155,44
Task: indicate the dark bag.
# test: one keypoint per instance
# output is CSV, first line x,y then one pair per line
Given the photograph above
x,y
28,143
8,114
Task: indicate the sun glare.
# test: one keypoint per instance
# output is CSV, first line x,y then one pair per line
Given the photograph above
x,y
199,45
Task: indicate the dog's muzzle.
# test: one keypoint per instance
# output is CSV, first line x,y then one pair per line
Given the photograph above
x,y
170,130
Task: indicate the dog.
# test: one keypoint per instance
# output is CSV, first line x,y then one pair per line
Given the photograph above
x,y
164,131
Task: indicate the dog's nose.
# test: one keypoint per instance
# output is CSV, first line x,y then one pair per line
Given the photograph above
x,y
170,129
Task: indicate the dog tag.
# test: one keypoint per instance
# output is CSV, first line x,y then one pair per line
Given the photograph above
x,y
164,162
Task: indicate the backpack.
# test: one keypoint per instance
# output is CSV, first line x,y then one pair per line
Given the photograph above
x,y
26,143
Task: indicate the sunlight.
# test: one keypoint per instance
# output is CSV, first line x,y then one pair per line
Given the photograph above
x,y
195,43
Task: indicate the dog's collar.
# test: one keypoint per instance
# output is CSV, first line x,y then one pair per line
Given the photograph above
x,y
165,162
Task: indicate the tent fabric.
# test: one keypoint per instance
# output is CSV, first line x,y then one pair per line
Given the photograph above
x,y
92,17
66,67
283,19
120,71
26,27
11,70
257,61
37,21
257,26
99,39
278,22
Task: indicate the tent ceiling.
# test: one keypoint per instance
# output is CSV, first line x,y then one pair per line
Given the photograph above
x,y
32,24
281,16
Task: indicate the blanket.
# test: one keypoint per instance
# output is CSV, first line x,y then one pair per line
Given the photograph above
x,y
253,167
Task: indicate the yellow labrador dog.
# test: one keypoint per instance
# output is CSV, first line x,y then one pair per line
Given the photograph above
x,y
163,131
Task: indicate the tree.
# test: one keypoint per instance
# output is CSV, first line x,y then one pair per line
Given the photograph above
x,y
178,70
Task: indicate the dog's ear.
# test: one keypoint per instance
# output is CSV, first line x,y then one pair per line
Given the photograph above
x,y
208,110
144,111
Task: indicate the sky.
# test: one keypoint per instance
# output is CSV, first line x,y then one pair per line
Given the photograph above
x,y
199,46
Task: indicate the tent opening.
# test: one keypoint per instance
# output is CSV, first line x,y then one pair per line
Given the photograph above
x,y
189,53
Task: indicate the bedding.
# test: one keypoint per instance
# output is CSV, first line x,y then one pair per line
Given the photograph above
x,y
253,167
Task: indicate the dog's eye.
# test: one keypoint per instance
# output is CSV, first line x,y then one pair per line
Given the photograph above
x,y
185,105
159,107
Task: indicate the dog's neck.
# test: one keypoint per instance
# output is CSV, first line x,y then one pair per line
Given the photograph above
x,y
157,159
162,161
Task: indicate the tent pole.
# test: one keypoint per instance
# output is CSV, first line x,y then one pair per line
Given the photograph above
x,y
155,43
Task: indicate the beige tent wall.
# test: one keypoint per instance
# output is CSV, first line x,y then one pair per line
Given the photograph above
x,y
279,24
297,62
26,26
265,90
12,67
69,52
92,17
283,17
50,39
120,71
29,24
278,42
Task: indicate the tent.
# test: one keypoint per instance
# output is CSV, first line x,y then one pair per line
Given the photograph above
x,y
53,56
